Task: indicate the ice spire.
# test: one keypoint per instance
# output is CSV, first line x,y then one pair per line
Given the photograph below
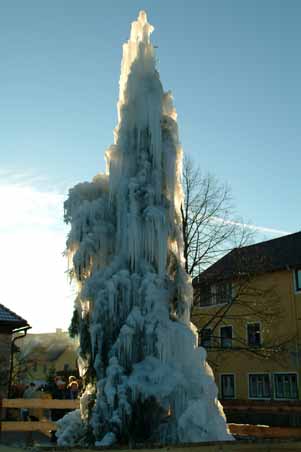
x,y
138,350
139,42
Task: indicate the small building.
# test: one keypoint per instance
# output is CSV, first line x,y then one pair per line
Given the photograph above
x,y
247,307
11,327
44,354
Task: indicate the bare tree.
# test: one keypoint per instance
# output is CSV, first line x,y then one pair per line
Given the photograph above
x,y
236,292
209,229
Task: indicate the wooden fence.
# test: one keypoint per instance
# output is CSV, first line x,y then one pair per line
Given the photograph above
x,y
259,431
34,426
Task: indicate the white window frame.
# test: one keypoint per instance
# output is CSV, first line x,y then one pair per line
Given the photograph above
x,y
234,385
220,338
296,289
271,386
261,333
274,385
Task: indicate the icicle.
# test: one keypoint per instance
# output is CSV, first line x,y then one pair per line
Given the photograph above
x,y
125,250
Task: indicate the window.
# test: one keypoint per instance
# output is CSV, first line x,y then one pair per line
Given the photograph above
x,y
259,386
218,293
227,386
298,280
221,293
226,336
206,298
206,338
285,386
254,335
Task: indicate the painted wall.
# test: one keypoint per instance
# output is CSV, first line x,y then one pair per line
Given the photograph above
x,y
271,300
5,357
43,353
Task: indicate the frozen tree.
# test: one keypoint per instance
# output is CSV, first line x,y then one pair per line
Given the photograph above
x,y
144,376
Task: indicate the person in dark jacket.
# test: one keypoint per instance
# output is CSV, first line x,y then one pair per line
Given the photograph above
x,y
72,388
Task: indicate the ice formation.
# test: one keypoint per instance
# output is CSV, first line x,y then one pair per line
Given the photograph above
x,y
145,378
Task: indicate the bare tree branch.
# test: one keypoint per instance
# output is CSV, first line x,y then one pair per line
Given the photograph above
x,y
207,218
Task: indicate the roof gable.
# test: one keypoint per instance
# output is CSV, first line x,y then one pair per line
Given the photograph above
x,y
271,255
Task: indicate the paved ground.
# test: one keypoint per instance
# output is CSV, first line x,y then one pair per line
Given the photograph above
x,y
22,440
238,446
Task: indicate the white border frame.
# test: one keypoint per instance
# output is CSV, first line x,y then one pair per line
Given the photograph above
x,y
220,385
271,386
274,386
220,338
296,291
251,322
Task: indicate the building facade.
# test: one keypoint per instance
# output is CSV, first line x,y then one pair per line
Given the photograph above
x,y
247,307
12,326
43,355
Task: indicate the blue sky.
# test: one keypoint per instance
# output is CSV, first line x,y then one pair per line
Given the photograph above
x,y
234,70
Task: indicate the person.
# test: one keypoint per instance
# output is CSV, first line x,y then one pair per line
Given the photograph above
x,y
42,413
72,388
29,393
58,391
